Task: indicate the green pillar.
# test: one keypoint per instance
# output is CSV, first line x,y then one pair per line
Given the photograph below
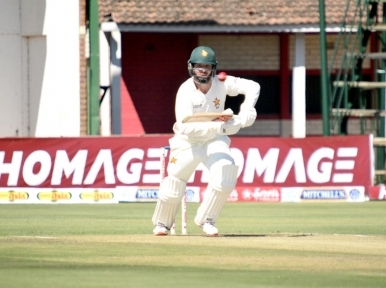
x,y
94,91
325,89
380,151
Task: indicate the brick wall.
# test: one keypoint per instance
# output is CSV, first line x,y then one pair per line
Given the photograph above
x,y
244,52
313,51
262,53
313,128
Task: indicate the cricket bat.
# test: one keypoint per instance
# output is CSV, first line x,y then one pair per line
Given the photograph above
x,y
207,116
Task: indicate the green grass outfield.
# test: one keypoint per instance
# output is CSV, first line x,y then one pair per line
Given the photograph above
x,y
260,245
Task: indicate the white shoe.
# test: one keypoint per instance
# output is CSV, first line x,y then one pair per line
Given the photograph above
x,y
160,231
209,229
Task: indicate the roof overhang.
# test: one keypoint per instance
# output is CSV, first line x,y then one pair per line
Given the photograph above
x,y
157,28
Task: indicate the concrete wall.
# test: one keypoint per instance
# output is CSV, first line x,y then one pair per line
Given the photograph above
x,y
39,75
12,104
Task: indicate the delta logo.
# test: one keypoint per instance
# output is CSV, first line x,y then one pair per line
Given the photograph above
x,y
54,196
13,196
96,196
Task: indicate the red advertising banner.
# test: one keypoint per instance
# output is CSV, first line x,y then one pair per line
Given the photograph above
x,y
254,194
108,162
377,192
313,161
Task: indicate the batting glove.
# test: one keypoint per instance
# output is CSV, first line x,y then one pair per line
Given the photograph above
x,y
247,116
230,127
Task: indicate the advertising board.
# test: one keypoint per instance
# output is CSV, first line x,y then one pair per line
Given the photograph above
x,y
124,164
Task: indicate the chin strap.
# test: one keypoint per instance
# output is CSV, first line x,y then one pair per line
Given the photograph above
x,y
203,81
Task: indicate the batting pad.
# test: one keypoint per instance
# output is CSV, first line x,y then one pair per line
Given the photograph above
x,y
224,178
214,200
169,200
172,189
165,213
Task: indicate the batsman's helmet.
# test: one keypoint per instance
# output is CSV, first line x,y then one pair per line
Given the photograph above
x,y
202,55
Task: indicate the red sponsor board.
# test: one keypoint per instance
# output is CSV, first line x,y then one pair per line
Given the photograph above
x,y
377,192
255,194
107,162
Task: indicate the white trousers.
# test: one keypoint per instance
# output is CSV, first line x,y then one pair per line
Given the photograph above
x,y
183,160
185,157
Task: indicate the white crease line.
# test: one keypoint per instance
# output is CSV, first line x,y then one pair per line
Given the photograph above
x,y
38,237
356,235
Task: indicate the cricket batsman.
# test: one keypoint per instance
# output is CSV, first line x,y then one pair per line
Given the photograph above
x,y
203,142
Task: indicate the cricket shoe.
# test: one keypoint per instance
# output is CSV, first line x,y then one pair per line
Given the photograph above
x,y
209,229
160,231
